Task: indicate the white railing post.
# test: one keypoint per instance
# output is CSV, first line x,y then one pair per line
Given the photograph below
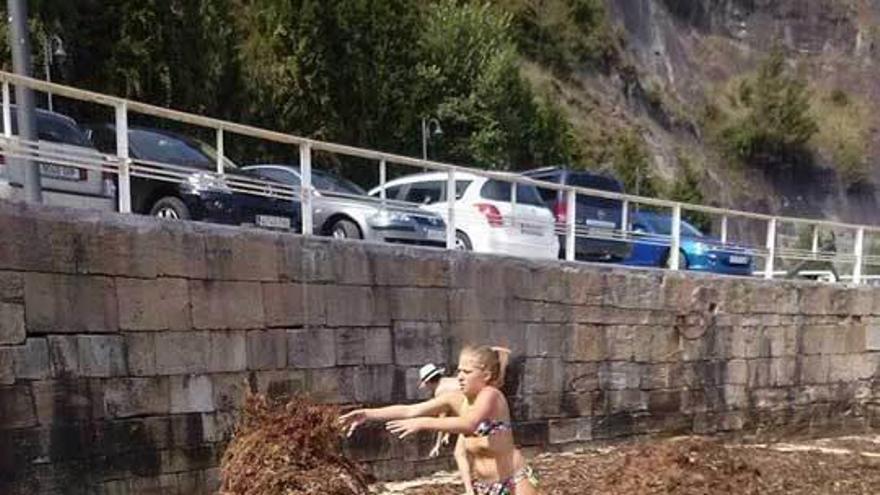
x,y
7,111
124,161
383,178
675,241
450,215
771,248
624,218
860,256
815,248
305,172
724,229
220,152
570,222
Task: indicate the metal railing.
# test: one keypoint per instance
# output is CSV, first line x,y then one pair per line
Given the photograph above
x,y
772,248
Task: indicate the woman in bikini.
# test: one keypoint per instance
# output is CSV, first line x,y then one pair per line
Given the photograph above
x,y
482,415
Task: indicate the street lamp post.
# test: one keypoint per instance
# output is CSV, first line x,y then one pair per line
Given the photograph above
x,y
53,48
429,126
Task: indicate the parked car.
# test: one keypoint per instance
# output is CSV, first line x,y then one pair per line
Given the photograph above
x,y
698,251
485,219
341,209
202,194
62,144
596,218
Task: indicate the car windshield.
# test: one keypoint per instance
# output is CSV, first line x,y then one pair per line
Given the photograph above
x,y
324,181
593,181
663,225
166,148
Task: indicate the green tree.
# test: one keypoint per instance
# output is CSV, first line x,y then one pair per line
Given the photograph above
x,y
776,122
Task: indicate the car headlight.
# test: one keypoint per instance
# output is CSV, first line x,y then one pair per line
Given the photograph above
x,y
390,217
205,182
699,249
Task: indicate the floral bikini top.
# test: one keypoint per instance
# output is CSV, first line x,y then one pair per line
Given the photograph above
x,y
487,427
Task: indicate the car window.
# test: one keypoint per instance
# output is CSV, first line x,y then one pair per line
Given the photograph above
x,y
460,188
165,148
663,225
277,175
593,181
425,192
54,129
496,190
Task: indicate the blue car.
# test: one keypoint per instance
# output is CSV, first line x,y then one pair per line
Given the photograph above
x,y
698,251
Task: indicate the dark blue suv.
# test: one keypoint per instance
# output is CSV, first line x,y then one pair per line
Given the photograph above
x,y
202,195
596,218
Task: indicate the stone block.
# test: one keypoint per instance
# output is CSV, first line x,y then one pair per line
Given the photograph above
x,y
824,339
266,349
547,340
282,383
68,401
159,304
349,306
70,304
655,376
374,384
11,287
581,377
815,370
542,376
736,372
179,353
586,343
872,336
63,355
182,251
32,360
242,255
620,343
12,329
363,346
126,397
585,287
101,355
619,375
418,304
816,300
417,343
107,248
629,290
228,352
41,242
656,344
662,402
17,407
475,305
351,263
191,393
311,348
294,304
783,340
7,365
424,269
140,353
768,398
333,385
230,390
226,305
630,401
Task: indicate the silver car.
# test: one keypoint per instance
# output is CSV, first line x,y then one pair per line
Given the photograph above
x,y
343,210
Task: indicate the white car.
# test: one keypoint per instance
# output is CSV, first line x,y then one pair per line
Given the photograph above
x,y
485,218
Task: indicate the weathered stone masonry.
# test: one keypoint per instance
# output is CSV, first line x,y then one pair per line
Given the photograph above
x,y
126,344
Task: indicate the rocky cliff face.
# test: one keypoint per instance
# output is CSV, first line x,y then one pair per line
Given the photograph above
x,y
687,49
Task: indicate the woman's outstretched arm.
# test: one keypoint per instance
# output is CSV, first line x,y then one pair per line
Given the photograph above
x,y
466,424
355,418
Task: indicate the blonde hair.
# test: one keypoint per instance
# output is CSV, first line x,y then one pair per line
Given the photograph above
x,y
493,359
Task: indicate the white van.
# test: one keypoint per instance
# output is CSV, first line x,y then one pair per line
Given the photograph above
x,y
485,218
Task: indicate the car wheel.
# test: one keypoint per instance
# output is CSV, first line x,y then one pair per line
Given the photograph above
x,y
345,229
171,208
462,242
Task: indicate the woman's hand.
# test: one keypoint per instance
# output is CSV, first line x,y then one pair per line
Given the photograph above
x,y
353,419
405,427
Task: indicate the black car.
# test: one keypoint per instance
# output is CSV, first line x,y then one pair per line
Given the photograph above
x,y
203,195
596,218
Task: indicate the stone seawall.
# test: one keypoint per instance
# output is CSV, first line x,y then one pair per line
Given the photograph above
x,y
126,345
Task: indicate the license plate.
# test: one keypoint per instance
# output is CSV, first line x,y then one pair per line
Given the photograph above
x,y
273,222
739,260
599,224
435,234
59,171
531,229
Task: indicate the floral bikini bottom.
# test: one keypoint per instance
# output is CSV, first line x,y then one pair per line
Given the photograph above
x,y
506,487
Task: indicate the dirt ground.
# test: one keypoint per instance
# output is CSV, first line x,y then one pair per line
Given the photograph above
x,y
691,466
